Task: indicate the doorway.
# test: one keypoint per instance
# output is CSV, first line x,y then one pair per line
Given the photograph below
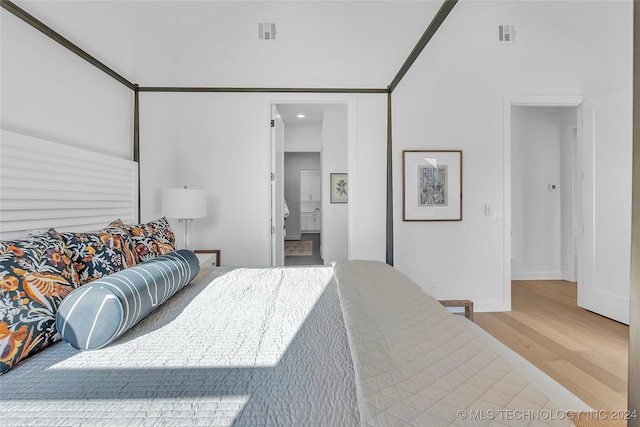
x,y
511,101
312,143
543,198
303,197
603,150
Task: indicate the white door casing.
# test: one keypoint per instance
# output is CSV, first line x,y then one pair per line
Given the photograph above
x,y
509,101
277,188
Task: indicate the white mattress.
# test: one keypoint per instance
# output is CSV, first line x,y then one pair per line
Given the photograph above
x,y
241,347
417,364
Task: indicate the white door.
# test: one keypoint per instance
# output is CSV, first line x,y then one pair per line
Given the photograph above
x,y
277,188
606,147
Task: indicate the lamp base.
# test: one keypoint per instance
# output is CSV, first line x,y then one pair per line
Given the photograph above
x,y
185,236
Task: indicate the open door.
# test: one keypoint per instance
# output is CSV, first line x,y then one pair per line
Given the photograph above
x,y
277,188
606,206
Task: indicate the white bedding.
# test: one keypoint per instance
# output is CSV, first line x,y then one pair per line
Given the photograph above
x,y
236,347
289,346
417,364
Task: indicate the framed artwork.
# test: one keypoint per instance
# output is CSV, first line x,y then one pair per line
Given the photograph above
x,y
339,188
432,185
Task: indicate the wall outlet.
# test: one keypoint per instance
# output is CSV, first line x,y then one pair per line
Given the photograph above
x,y
434,285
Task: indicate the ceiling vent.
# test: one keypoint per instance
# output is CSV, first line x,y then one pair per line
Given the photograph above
x,y
506,33
267,30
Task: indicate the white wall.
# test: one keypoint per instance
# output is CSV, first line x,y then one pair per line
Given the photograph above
x,y
335,242
159,146
301,139
368,163
453,98
223,145
48,92
542,220
610,48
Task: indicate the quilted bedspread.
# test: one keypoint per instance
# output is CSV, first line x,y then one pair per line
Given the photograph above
x,y
241,347
415,364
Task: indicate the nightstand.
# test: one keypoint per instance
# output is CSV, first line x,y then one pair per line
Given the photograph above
x,y
208,257
463,303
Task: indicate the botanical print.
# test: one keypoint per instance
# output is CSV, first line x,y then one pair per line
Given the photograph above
x,y
341,188
95,255
432,185
150,240
35,275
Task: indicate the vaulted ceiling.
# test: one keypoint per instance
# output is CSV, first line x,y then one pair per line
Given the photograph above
x,y
358,44
319,44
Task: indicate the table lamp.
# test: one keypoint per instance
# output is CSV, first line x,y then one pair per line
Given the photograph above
x,y
185,204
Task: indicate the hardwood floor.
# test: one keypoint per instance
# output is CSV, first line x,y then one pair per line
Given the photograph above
x,y
583,351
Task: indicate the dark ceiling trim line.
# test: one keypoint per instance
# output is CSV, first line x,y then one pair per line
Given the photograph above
x,y
389,235
262,90
136,142
136,124
437,20
40,26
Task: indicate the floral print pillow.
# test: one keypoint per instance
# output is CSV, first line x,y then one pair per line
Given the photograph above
x,y
95,255
128,247
152,239
36,273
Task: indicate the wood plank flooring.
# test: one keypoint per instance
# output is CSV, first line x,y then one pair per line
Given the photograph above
x,y
583,351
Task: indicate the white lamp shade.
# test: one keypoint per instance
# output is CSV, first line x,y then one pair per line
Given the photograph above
x,y
184,203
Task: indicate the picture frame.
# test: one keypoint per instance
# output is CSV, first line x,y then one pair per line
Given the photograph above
x,y
432,185
339,188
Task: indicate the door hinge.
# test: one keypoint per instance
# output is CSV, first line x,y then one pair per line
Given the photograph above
x,y
273,123
273,176
273,229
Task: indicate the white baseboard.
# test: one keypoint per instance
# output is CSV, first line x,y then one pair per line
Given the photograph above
x,y
537,275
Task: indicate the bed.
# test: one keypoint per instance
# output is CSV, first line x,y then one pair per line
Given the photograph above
x,y
356,343
353,344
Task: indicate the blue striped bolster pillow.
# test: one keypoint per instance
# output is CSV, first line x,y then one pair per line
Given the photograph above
x,y
97,313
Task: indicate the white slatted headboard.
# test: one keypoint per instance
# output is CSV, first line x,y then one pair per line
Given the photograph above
x,y
44,184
